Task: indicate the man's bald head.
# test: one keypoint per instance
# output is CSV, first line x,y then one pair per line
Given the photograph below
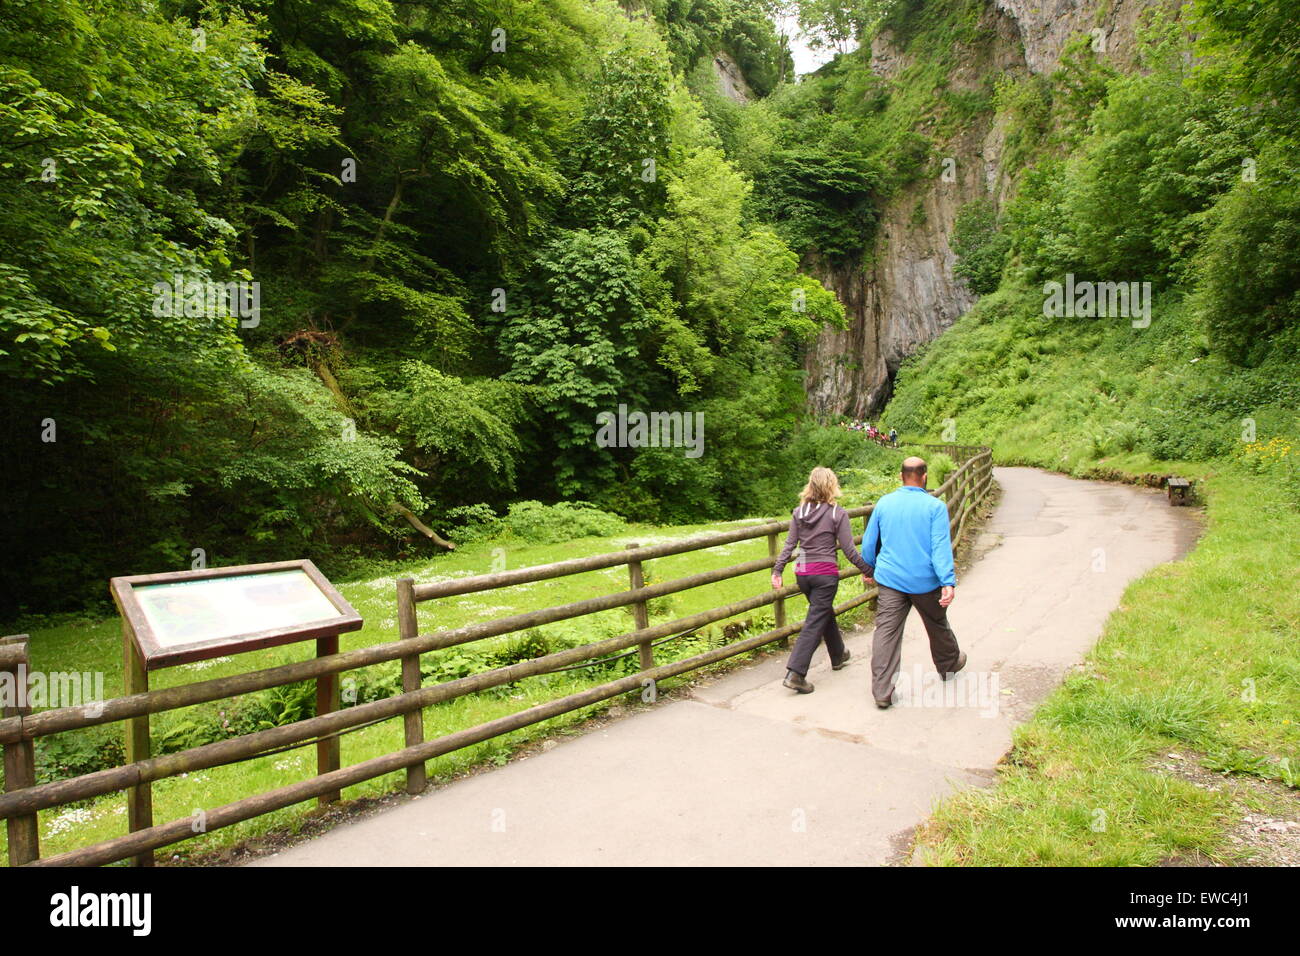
x,y
914,471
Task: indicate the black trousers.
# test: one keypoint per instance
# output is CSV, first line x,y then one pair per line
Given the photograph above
x,y
819,624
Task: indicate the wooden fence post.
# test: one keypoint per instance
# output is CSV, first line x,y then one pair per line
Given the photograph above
x,y
967,486
641,615
416,778
20,762
778,606
139,799
327,701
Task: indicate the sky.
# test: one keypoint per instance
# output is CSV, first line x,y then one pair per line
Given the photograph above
x,y
806,59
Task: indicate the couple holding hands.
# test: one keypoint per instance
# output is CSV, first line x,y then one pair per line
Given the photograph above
x,y
906,552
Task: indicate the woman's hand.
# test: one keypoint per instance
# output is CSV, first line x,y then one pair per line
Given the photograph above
x,y
868,582
777,583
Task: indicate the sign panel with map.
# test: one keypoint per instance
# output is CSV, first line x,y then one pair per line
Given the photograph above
x,y
187,616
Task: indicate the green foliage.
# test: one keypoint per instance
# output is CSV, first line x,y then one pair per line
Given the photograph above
x,y
1131,199
101,172
613,164
453,664
695,29
1129,204
537,523
938,467
579,341
78,752
828,153
1080,84
471,523
1276,457
1236,760
823,194
1264,34
461,250
980,247
532,522
836,23
1169,181
718,286
290,703
99,748
1248,276
1070,393
462,433
1026,102
464,256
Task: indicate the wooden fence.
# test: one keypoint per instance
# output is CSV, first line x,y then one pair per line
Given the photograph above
x,y
963,491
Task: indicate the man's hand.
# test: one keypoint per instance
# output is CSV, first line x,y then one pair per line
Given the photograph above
x,y
868,581
777,583
946,595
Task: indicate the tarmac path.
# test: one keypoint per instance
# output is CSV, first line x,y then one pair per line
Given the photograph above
x,y
745,772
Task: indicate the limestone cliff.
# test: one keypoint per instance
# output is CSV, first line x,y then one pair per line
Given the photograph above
x,y
731,80
907,295
1045,26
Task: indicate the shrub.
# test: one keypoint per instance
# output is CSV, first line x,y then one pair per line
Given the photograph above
x,y
537,523
77,752
473,523
1249,272
980,246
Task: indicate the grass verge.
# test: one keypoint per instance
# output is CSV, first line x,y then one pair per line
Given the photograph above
x,y
1200,659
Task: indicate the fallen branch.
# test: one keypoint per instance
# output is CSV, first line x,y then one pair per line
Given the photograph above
x,y
421,527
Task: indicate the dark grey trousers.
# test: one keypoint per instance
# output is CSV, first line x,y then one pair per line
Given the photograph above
x,y
887,644
819,624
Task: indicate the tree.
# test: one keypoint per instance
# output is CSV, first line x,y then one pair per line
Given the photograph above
x,y
580,341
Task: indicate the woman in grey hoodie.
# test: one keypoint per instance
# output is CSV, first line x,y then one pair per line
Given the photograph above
x,y
821,528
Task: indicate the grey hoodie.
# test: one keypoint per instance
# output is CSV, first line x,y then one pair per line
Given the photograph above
x,y
819,528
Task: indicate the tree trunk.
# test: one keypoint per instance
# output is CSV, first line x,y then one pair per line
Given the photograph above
x,y
420,526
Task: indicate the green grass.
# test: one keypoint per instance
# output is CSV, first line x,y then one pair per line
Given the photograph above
x,y
1201,656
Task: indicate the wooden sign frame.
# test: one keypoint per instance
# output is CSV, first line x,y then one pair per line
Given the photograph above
x,y
156,655
143,651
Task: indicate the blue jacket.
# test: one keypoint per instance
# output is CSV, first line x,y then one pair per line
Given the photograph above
x,y
910,527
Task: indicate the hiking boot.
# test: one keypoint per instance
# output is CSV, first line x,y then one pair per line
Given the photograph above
x,y
797,682
961,662
843,660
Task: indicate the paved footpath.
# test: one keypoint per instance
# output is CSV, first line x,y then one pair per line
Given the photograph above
x,y
746,772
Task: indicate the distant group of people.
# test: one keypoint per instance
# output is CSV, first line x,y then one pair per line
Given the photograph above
x,y
877,435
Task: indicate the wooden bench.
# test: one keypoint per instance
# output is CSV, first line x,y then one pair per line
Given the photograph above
x,y
1178,489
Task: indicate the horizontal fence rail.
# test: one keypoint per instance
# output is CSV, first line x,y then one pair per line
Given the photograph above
x,y
963,492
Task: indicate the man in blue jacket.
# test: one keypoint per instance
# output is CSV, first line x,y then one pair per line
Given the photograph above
x,y
908,538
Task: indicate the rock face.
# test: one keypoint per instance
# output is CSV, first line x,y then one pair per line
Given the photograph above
x,y
1045,26
908,295
731,80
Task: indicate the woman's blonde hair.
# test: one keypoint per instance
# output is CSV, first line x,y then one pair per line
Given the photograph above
x,y
822,487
